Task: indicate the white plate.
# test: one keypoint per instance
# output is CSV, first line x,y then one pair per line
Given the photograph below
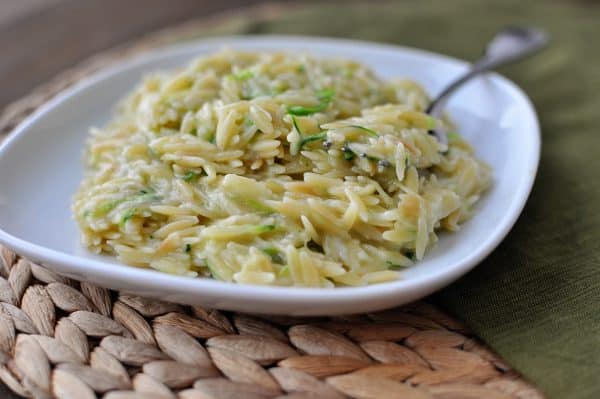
x,y
40,169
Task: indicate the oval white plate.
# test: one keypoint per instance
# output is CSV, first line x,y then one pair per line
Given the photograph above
x,y
40,169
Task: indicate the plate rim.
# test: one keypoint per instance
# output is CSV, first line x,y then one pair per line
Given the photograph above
x,y
414,287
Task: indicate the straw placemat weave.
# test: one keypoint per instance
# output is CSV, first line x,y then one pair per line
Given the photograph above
x,y
67,339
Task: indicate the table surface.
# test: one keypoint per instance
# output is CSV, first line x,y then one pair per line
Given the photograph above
x,y
38,40
37,37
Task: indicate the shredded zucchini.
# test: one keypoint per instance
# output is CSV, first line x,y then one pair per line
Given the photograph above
x,y
325,98
190,176
370,132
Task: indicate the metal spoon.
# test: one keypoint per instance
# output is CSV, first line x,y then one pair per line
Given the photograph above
x,y
509,45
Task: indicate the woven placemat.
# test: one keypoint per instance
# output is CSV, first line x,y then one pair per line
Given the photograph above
x,y
67,339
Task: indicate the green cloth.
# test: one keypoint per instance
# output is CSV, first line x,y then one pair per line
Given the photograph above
x,y
536,299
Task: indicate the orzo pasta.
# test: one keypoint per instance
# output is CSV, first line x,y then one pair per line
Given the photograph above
x,y
273,168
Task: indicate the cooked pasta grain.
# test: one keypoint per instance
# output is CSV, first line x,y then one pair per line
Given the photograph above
x,y
273,168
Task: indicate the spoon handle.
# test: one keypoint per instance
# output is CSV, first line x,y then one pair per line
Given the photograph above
x,y
509,45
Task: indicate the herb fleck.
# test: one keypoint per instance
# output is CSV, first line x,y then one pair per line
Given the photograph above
x,y
244,75
190,176
453,136
131,212
370,132
284,271
274,254
393,266
325,98
310,139
348,153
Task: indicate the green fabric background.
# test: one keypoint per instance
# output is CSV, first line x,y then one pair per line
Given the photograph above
x,y
536,299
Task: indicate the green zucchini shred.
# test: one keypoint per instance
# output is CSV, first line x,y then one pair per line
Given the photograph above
x,y
274,254
299,110
306,139
348,155
324,96
145,197
283,271
453,136
107,207
140,197
243,75
431,122
373,158
131,212
262,228
295,123
394,266
254,204
190,176
313,138
370,132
